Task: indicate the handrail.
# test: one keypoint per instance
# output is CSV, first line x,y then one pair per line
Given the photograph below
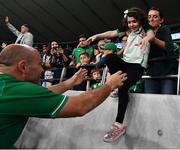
x,y
64,71
105,70
159,77
168,76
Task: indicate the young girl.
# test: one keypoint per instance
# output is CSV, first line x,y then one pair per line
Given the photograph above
x,y
133,62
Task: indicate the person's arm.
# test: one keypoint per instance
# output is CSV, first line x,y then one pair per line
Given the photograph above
x,y
61,53
72,62
107,34
146,39
28,39
150,35
165,40
78,64
76,79
120,52
159,42
11,27
85,102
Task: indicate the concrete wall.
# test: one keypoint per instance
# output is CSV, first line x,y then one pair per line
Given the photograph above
x,y
153,121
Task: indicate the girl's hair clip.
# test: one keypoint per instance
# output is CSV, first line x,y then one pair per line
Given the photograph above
x,y
125,13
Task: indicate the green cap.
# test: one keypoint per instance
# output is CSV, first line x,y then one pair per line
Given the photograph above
x,y
109,46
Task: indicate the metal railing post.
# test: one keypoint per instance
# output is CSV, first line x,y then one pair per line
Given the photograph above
x,y
63,73
88,85
178,77
105,71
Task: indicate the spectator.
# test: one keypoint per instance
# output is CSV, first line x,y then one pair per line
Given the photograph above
x,y
96,78
83,46
162,59
96,53
133,62
22,98
99,44
46,62
59,60
23,36
44,47
84,60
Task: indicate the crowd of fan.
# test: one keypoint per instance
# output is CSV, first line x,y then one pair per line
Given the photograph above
x,y
84,54
55,58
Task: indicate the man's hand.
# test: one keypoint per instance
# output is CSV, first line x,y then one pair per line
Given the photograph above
x,y
92,38
6,19
79,76
53,52
116,80
79,45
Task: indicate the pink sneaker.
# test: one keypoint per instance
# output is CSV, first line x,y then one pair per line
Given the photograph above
x,y
116,131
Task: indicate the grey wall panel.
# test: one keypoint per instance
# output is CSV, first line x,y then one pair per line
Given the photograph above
x,y
152,121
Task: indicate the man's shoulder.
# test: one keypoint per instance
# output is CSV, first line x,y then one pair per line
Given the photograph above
x,y
28,34
28,85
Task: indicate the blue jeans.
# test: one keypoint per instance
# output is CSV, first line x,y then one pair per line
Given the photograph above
x,y
160,86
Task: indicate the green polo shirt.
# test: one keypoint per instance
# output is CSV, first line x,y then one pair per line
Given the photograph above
x,y
20,100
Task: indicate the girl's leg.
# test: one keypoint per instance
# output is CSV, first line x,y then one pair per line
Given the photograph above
x,y
134,73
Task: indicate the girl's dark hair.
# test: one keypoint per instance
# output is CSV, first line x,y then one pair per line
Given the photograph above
x,y
138,14
157,9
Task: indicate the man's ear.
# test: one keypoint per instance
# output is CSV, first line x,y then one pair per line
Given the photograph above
x,y
21,66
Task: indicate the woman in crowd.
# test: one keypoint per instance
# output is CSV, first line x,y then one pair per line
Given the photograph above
x,y
162,60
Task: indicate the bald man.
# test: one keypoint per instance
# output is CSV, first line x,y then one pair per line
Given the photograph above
x,y
22,97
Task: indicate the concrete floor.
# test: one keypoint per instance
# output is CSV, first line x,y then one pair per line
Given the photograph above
x,y
153,122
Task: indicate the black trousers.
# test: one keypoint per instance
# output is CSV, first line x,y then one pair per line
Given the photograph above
x,y
134,73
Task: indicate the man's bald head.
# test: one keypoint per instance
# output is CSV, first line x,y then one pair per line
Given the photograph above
x,y
13,53
19,61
